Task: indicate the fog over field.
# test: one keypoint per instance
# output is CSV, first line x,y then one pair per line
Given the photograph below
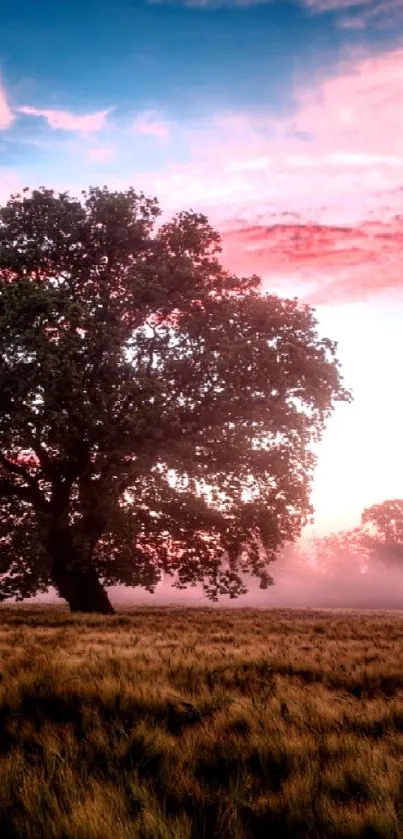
x,y
298,583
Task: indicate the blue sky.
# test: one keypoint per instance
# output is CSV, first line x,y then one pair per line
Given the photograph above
x,y
282,120
132,53
182,63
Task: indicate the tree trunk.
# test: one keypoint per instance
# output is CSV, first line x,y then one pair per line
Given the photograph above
x,y
82,589
75,580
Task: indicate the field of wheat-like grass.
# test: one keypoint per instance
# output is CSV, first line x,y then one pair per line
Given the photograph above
x,y
164,723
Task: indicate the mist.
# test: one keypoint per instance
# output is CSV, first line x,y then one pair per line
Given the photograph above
x,y
300,581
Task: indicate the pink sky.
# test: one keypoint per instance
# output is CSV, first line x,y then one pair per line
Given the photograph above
x,y
343,187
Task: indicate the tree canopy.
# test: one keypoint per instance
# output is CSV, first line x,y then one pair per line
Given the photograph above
x,y
157,412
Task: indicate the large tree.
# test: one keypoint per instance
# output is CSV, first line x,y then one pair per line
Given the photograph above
x,y
157,412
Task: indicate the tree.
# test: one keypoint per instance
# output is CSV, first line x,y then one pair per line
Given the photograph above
x,y
383,529
338,555
158,413
378,540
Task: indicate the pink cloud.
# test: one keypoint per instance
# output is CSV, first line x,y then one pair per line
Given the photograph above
x,y
335,262
67,121
357,112
246,171
353,121
148,124
319,214
6,114
100,155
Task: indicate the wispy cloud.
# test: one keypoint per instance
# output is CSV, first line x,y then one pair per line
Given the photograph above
x,y
336,5
150,124
361,13
358,14
66,121
6,114
214,4
355,14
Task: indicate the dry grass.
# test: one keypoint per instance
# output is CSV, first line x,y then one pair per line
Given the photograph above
x,y
193,724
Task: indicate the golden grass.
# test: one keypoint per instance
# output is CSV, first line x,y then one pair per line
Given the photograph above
x,y
164,723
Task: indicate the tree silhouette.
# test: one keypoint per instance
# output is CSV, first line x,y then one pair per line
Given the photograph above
x,y
157,412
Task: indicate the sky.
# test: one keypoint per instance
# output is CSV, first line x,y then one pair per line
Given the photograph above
x,y
283,121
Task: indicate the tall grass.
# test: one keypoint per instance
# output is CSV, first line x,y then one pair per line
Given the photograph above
x,y
192,724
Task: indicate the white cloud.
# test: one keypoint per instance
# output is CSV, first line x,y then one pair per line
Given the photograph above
x,y
150,124
6,114
66,121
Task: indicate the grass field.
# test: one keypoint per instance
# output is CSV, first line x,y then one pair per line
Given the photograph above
x,y
192,724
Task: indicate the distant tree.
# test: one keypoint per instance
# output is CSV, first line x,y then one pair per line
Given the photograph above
x,y
383,530
378,539
157,412
337,555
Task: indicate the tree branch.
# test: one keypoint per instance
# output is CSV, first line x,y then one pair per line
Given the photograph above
x,y
31,493
16,469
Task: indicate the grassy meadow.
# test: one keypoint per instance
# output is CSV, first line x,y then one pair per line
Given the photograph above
x,y
167,723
